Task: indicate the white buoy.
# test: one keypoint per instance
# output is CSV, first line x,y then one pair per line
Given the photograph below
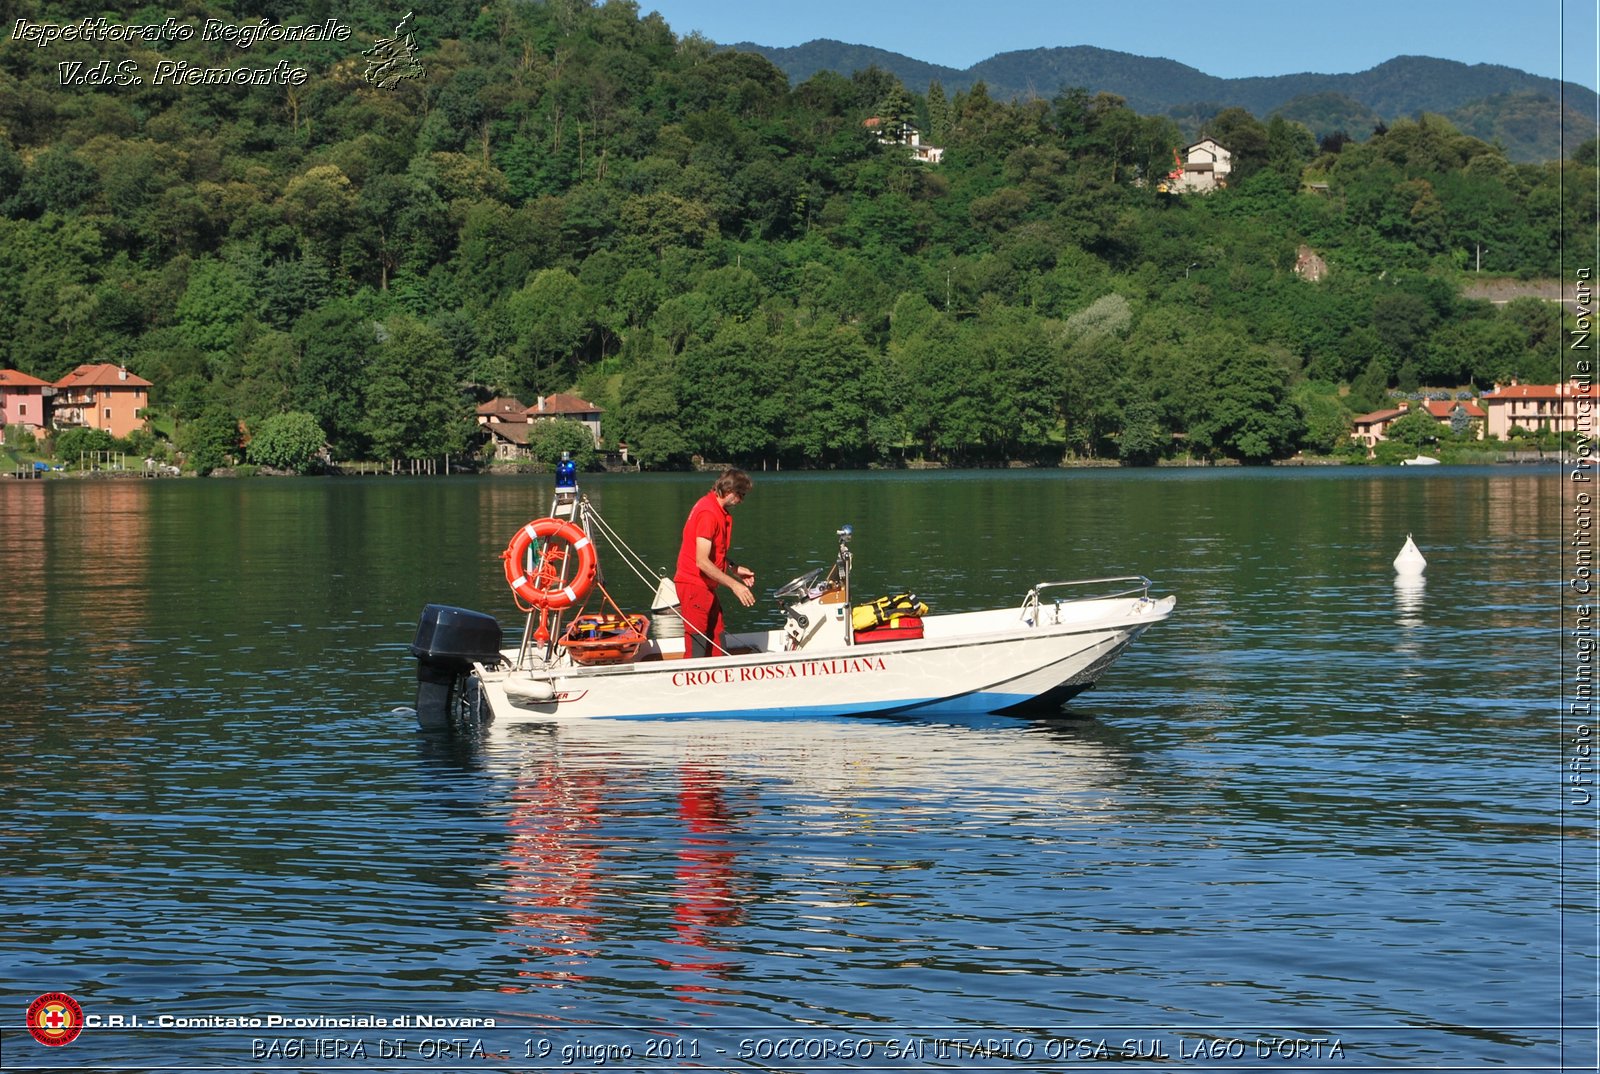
x,y
1410,560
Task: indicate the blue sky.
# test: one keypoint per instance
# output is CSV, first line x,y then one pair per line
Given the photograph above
x,y
1232,40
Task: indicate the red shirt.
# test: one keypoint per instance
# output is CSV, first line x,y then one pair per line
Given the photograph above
x,y
711,520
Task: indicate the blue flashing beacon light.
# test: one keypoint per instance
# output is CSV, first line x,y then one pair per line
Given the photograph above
x,y
566,472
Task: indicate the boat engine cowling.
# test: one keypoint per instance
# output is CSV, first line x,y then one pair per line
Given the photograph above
x,y
448,642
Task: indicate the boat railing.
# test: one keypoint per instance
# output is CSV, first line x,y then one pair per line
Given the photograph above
x,y
1140,587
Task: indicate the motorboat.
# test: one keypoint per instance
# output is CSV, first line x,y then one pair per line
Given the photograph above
x,y
581,657
1420,460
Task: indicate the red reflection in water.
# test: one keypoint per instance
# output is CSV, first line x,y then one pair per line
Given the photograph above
x,y
559,877
77,552
707,896
553,869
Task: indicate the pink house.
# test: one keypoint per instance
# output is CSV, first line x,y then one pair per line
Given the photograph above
x,y
502,408
22,400
1560,408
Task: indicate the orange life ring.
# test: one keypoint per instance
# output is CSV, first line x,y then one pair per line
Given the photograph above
x,y
542,586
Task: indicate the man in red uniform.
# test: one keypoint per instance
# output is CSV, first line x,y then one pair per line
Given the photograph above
x,y
703,564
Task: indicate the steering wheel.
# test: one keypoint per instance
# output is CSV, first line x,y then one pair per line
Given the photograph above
x,y
798,586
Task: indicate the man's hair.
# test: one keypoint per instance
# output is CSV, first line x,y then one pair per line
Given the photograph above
x,y
732,481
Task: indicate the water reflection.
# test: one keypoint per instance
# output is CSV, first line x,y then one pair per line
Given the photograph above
x,y
74,557
706,898
23,539
634,844
1408,593
552,871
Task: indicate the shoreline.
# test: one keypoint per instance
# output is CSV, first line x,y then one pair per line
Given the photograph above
x,y
1498,459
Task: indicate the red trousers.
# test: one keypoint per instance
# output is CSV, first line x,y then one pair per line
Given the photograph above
x,y
702,619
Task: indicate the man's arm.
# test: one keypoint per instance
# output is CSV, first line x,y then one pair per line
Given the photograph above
x,y
739,586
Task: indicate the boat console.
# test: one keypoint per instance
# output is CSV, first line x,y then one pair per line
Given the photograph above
x,y
816,605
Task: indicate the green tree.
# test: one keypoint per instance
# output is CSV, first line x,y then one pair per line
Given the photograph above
x,y
289,441
209,441
1414,428
336,341
733,394
1143,437
415,408
1239,405
938,113
550,319
1244,136
650,414
836,389
322,205
214,306
75,444
1021,366
1327,422
548,438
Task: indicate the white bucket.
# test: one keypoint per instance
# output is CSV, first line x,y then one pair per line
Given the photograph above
x,y
666,627
666,623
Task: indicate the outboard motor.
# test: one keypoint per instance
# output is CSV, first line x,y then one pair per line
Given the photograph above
x,y
448,642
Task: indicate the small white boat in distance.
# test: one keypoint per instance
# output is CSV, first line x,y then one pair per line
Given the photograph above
x,y
1410,560
1420,460
1055,642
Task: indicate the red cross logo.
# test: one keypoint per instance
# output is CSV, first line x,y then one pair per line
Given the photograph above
x,y
55,1019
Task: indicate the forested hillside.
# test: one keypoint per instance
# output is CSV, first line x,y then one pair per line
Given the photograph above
x,y
571,197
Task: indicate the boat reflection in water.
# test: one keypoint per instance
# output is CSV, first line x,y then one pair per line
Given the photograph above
x,y
553,869
637,848
707,896
571,896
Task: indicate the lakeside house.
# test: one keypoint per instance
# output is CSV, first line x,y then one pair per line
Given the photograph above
x,y
1557,408
1444,411
508,422
1370,429
103,396
23,400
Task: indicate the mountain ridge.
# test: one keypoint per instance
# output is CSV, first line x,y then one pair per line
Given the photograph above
x,y
1528,114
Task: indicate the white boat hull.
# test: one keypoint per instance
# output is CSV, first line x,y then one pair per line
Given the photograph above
x,y
975,662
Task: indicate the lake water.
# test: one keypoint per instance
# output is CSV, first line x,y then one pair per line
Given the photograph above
x,y
1315,820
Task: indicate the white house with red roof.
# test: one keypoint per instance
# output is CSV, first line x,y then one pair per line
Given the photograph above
x,y
22,401
508,422
570,408
1559,408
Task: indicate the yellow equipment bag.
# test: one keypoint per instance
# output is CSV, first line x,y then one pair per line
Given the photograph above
x,y
884,609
